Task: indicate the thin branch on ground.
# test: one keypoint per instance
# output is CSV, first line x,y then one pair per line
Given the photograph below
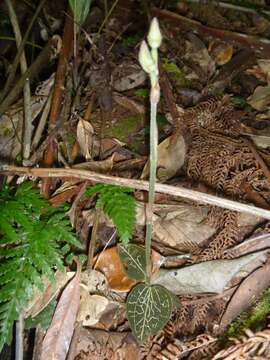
x,y
137,184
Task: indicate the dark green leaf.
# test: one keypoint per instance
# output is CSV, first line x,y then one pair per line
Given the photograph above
x,y
134,260
149,308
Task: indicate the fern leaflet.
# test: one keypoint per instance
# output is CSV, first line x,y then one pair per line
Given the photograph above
x,y
32,236
119,205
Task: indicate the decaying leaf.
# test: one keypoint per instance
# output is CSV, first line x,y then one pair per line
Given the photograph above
x,y
109,263
94,281
196,52
221,52
260,99
96,311
181,227
171,157
42,298
128,76
57,339
209,277
262,70
98,166
85,133
101,344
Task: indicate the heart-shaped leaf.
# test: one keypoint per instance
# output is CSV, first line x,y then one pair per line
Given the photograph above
x,y
133,260
149,308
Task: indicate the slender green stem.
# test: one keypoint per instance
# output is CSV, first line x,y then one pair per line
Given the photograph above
x,y
152,179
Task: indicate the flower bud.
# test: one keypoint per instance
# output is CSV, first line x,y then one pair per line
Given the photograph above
x,y
145,58
154,36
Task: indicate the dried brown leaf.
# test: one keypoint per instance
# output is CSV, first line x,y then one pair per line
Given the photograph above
x,y
101,344
260,99
182,227
171,158
85,133
57,339
42,298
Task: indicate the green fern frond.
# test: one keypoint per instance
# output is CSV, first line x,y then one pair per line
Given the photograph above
x,y
32,236
119,205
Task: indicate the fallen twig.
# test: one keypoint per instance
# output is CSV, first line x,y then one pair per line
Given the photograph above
x,y
137,184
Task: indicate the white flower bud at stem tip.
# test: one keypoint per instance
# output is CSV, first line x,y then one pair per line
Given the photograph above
x,y
154,36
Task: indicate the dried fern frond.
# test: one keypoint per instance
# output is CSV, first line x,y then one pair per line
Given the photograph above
x,y
33,238
247,347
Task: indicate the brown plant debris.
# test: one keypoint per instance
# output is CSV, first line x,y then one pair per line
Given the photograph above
x,y
251,346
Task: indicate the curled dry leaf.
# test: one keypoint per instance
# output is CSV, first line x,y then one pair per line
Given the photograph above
x,y
262,70
221,52
57,339
209,277
260,99
97,311
248,291
171,158
85,133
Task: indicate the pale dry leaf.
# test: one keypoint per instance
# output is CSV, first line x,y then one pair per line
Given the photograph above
x,y
262,70
94,281
171,158
198,53
99,311
260,99
57,339
128,76
261,141
85,133
209,277
181,227
91,308
98,166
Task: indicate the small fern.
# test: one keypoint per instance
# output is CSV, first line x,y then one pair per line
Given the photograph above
x,y
33,238
119,205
